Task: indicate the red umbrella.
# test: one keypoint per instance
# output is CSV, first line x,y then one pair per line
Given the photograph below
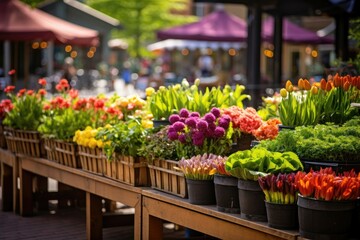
x,y
19,22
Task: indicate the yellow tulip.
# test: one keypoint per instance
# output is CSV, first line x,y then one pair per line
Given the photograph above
x,y
314,90
283,92
301,84
149,91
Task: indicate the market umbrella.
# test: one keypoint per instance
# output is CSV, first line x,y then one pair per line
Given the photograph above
x,y
20,22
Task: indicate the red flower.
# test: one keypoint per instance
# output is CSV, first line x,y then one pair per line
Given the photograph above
x,y
73,93
12,72
9,89
42,82
21,92
42,92
30,92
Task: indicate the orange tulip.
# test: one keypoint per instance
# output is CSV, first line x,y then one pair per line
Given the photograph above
x,y
346,85
328,86
307,85
323,84
301,84
337,81
288,84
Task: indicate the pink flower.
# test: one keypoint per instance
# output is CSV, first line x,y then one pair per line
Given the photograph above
x,y
184,113
174,118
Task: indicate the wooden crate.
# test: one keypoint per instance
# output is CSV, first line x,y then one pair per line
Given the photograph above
x,y
49,145
25,142
66,153
129,170
92,159
166,177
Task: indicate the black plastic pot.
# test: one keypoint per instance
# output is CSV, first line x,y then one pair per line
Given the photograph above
x,y
282,216
252,200
226,193
201,192
320,219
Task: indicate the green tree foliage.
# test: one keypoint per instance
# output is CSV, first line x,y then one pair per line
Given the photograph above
x,y
141,19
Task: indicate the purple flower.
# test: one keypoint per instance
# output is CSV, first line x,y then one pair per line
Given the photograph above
x,y
219,132
182,138
178,126
195,114
226,117
171,129
202,125
198,138
174,118
224,123
172,136
184,113
212,126
216,112
209,117
191,122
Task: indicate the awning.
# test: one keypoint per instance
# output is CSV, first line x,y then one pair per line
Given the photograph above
x,y
20,22
193,44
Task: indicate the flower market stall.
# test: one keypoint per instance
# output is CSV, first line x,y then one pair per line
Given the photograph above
x,y
256,175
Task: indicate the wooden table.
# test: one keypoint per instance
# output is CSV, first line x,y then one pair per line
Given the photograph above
x,y
96,188
9,176
159,207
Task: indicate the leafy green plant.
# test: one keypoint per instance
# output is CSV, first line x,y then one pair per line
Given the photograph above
x,y
158,146
169,100
125,138
258,162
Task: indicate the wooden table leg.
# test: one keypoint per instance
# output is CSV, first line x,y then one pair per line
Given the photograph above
x,y
42,187
93,216
26,193
7,187
16,193
152,227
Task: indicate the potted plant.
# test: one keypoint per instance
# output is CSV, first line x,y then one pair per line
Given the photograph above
x,y
244,122
326,203
199,173
121,144
23,119
248,166
280,199
195,135
226,192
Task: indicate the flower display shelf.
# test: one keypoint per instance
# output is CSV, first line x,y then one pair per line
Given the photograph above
x,y
66,153
24,142
92,159
166,176
127,169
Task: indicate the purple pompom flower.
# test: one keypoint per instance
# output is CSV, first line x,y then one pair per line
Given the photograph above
x,y
172,136
174,118
202,125
179,126
184,113
211,126
191,122
195,114
182,138
219,132
216,112
198,138
209,117
224,123
171,129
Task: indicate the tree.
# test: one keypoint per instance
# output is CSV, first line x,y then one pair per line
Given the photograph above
x,y
142,18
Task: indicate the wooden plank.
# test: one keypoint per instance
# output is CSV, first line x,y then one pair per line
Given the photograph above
x,y
7,187
7,157
203,218
93,217
152,227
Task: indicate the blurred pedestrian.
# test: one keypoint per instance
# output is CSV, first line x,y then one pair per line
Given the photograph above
x,y
126,73
205,64
69,70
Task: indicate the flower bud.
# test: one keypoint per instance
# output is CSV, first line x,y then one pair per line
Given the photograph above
x,y
346,85
314,90
328,86
197,82
337,81
301,84
307,85
291,88
288,83
185,83
283,92
323,84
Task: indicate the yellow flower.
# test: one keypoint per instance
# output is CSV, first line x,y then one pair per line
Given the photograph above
x,y
92,143
149,91
100,144
283,92
314,90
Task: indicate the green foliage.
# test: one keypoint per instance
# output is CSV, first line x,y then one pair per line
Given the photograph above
x,y
169,100
320,143
158,146
257,162
124,138
141,19
27,112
